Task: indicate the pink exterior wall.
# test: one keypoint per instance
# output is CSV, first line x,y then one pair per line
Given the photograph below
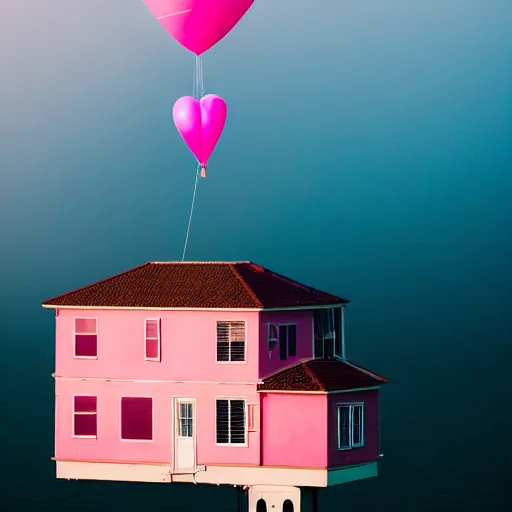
x,y
188,346
109,447
294,430
270,363
370,450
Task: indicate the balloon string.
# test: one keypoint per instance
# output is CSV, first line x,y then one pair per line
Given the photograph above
x,y
191,212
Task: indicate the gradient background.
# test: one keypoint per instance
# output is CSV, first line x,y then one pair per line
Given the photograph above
x,y
367,152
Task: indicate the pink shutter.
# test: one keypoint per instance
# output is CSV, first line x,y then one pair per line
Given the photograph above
x,y
137,418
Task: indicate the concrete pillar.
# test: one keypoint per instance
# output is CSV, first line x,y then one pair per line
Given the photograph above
x,y
277,498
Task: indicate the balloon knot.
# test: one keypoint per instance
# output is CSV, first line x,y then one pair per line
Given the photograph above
x,y
203,172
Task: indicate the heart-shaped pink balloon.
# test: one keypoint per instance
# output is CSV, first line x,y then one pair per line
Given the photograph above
x,y
198,24
200,123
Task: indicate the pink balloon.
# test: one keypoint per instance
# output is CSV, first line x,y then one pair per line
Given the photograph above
x,y
200,123
198,24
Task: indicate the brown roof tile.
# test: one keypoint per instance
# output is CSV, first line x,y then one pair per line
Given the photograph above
x,y
321,375
196,285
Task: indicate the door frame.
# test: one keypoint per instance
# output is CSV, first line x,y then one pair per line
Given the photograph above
x,y
175,426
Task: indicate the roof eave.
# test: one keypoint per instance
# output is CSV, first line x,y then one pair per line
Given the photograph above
x,y
312,392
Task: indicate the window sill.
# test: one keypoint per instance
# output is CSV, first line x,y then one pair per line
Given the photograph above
x,y
137,440
231,362
86,357
232,445
84,437
153,359
351,448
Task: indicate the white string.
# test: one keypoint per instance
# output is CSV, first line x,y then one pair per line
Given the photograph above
x,y
191,212
198,92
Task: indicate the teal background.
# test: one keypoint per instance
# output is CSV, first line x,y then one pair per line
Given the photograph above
x,y
367,152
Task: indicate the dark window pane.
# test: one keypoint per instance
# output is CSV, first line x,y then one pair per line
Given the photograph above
x,y
137,418
282,342
85,403
358,425
292,340
344,426
222,426
238,351
86,345
318,333
337,331
237,421
85,424
222,351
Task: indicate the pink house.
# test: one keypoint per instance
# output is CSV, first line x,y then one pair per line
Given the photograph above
x,y
220,373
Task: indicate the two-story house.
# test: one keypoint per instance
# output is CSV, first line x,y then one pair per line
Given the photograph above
x,y
222,373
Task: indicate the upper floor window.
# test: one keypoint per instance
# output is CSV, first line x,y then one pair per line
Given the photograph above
x,y
86,337
287,341
152,340
137,418
85,416
230,341
328,332
230,421
350,426
272,336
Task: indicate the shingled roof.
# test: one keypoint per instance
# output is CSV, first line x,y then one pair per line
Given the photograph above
x,y
323,375
196,285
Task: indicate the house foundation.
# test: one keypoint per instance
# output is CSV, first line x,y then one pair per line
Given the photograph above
x,y
276,498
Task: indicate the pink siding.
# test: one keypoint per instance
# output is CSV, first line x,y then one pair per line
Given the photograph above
x,y
108,445
188,346
370,450
270,362
294,430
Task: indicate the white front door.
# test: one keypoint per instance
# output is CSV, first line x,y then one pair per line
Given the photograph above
x,y
185,436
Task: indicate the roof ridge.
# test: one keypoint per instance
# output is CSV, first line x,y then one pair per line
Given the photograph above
x,y
365,370
96,283
247,288
314,378
196,262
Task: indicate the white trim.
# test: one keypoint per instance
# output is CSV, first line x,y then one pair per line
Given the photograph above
x,y
83,333
302,308
351,406
152,440
84,414
175,425
156,381
353,390
246,433
217,475
131,308
158,338
229,346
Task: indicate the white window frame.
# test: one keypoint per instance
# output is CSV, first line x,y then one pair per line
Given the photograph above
x,y
152,440
230,341
287,325
270,338
331,335
351,425
158,338
246,430
75,332
81,413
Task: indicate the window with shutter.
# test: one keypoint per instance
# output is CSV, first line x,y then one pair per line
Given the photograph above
x,y
86,338
85,416
230,421
230,342
350,426
137,418
152,340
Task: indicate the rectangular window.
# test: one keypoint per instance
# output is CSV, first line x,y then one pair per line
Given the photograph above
x,y
152,340
230,341
137,418
85,416
327,332
272,336
186,419
230,421
350,426
86,337
287,341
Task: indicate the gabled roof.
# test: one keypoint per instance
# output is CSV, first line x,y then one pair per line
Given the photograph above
x,y
324,375
196,285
